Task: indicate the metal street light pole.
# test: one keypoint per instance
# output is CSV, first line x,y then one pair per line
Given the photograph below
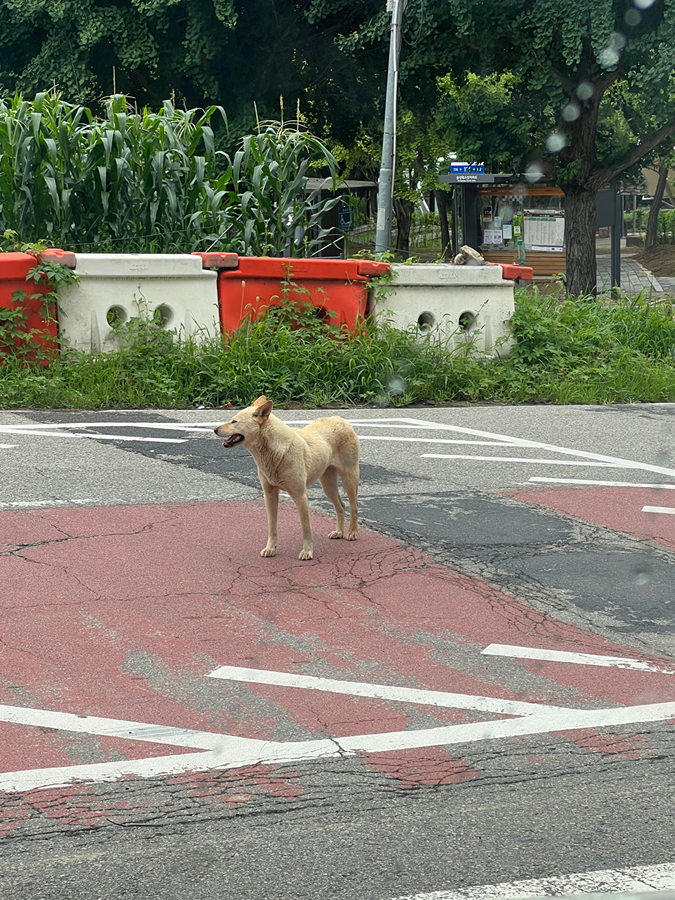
x,y
385,194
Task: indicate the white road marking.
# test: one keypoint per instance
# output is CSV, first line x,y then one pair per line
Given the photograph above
x,y
232,752
637,878
426,440
626,484
47,504
104,437
526,459
667,510
585,659
7,446
131,731
393,422
553,448
379,691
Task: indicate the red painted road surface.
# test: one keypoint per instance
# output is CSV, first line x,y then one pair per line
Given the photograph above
x,y
122,612
614,507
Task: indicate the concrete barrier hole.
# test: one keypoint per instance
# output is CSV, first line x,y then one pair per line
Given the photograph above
x,y
163,315
467,321
426,321
116,315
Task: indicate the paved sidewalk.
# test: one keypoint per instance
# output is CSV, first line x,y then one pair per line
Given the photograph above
x,y
634,278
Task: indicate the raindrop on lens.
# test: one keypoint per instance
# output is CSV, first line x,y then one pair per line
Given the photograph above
x,y
617,41
571,112
641,574
534,173
585,90
643,4
608,58
632,17
555,142
396,386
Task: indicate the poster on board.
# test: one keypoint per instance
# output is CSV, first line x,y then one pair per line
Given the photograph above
x,y
544,230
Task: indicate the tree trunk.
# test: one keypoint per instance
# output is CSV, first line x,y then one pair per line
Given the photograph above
x,y
653,218
442,204
580,240
403,209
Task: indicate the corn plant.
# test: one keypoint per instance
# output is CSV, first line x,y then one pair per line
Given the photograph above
x,y
150,174
143,181
265,184
41,167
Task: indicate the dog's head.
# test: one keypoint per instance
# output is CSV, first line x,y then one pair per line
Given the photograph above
x,y
245,425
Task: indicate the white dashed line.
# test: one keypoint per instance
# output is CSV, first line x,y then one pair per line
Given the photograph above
x,y
666,510
638,878
626,484
527,459
585,659
379,691
426,440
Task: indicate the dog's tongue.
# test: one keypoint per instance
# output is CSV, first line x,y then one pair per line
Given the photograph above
x,y
230,440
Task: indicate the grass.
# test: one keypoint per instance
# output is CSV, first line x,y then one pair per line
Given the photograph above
x,y
579,351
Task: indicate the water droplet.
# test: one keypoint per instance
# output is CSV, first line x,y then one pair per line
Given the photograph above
x,y
571,112
534,173
608,57
633,17
641,574
396,386
643,4
555,142
617,41
585,90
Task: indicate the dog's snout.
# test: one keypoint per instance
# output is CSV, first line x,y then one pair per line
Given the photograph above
x,y
216,429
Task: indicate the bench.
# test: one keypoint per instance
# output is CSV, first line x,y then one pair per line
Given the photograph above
x,y
544,264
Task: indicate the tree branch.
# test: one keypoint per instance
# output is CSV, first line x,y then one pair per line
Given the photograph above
x,y
602,177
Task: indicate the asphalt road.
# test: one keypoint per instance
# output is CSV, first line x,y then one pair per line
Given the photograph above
x,y
131,573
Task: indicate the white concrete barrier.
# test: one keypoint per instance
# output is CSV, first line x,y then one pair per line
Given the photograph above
x,y
175,289
469,304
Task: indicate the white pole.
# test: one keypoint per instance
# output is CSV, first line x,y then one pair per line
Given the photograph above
x,y
385,194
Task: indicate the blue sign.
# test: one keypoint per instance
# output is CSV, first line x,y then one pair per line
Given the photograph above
x,y
463,168
345,222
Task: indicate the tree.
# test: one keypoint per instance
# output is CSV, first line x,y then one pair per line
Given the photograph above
x,y
663,166
554,77
233,53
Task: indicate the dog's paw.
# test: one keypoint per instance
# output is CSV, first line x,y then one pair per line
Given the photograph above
x,y
352,535
269,551
335,535
306,554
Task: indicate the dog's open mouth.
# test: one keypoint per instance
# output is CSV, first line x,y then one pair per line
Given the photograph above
x,y
233,440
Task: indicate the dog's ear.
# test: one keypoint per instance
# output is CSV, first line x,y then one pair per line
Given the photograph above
x,y
260,401
263,412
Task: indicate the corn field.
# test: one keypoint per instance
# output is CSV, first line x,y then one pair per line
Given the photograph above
x,y
143,181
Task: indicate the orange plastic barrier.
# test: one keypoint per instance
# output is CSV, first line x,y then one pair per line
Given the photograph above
x,y
218,260
337,286
14,267
514,272
62,257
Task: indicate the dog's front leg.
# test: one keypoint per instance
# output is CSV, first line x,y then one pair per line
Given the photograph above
x,y
272,507
299,497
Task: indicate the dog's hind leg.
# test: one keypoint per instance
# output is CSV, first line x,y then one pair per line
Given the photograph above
x,y
329,483
350,482
272,507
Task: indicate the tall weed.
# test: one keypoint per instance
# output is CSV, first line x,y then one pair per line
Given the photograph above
x,y
572,352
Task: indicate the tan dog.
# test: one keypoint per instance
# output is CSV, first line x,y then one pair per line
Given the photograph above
x,y
291,459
